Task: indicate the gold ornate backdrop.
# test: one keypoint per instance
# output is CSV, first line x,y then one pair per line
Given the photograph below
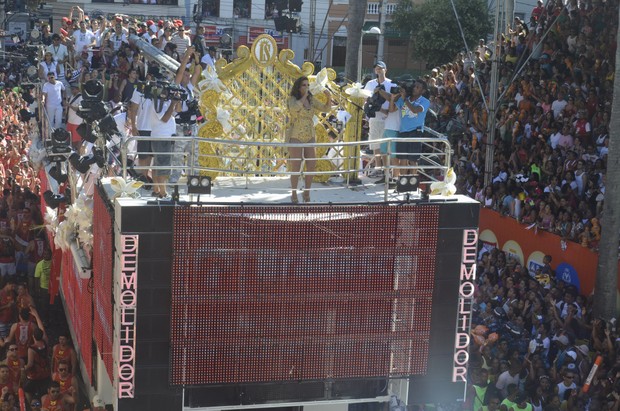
x,y
257,85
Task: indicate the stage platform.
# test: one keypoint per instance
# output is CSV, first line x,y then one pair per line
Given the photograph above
x,y
277,190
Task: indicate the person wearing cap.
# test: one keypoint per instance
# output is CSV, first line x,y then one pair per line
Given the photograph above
x,y
73,120
208,60
98,404
413,106
376,122
53,99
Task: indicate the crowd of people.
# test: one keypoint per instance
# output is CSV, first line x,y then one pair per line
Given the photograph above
x,y
535,338
535,342
551,142
46,373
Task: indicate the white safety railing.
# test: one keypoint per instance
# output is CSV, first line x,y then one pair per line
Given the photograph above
x,y
432,164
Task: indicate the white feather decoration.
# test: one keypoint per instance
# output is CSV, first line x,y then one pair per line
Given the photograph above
x,y
357,91
446,187
64,235
211,81
223,116
124,188
320,83
51,220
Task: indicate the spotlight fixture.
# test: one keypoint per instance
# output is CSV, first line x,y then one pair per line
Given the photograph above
x,y
85,132
93,90
56,173
108,127
59,146
407,183
199,185
54,200
61,138
82,164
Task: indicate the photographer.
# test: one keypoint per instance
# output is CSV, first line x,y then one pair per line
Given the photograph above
x,y
376,109
162,121
413,107
186,118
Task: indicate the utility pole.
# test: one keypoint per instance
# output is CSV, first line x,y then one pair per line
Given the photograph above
x,y
2,27
311,30
381,44
491,119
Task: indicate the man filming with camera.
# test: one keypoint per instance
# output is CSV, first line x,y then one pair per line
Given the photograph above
x,y
413,107
376,109
186,118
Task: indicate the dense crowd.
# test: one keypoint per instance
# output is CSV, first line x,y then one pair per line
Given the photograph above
x,y
551,142
28,361
535,339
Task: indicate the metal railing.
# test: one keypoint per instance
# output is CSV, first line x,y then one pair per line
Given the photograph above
x,y
432,165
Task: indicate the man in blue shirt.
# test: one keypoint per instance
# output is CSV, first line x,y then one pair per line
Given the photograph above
x,y
413,107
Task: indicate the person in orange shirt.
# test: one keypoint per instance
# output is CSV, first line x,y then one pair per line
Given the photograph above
x,y
63,352
53,400
5,379
14,364
66,381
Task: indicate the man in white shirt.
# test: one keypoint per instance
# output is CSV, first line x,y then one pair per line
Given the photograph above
x,y
209,58
53,99
376,124
558,105
84,40
140,122
164,126
60,54
118,37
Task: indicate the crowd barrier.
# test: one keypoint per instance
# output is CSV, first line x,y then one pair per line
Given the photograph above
x,y
572,262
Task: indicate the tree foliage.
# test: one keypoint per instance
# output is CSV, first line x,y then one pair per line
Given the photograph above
x,y
434,29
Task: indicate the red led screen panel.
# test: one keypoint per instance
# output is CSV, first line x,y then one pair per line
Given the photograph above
x,y
103,267
264,294
78,301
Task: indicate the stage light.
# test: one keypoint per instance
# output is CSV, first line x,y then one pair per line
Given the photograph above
x,y
199,185
82,164
61,137
93,90
54,200
85,131
56,173
107,126
407,183
25,115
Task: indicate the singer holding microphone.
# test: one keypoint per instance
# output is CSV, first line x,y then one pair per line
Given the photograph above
x,y
302,106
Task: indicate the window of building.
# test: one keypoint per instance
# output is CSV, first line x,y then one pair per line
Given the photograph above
x,y
241,8
162,2
210,8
